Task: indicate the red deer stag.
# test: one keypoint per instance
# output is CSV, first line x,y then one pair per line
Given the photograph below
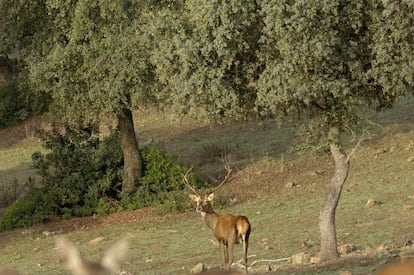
x,y
228,229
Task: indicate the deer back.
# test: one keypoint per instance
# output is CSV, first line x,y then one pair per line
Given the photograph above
x,y
230,227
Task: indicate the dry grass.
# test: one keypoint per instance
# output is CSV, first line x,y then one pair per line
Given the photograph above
x,y
282,215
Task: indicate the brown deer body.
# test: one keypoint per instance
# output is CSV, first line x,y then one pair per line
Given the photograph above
x,y
6,271
228,229
402,268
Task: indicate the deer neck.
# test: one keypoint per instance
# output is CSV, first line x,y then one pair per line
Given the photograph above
x,y
210,218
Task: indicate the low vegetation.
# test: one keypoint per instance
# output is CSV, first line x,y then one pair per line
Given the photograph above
x,y
81,175
279,191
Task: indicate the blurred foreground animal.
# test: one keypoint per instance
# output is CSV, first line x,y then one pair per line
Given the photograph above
x,y
405,267
111,262
6,271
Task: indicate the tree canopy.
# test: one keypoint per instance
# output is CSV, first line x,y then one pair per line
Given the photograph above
x,y
206,56
99,62
392,46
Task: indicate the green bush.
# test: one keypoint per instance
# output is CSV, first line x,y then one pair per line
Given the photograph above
x,y
18,103
82,175
161,183
38,206
80,169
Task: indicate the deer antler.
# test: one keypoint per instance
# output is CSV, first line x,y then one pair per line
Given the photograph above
x,y
228,169
187,182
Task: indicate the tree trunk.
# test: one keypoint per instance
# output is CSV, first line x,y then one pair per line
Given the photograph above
x,y
132,157
327,213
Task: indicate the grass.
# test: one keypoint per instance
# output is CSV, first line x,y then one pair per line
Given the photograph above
x,y
282,217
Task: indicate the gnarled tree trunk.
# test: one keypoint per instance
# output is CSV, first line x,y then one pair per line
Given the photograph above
x,y
132,158
327,213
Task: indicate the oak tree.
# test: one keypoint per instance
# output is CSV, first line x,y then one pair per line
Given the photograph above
x,y
322,65
92,58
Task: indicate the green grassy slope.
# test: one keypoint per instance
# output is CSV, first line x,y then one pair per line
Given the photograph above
x,y
283,215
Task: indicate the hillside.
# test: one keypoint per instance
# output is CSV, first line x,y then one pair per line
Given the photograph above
x,y
279,190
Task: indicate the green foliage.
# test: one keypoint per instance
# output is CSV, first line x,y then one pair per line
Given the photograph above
x,y
82,175
314,60
326,60
161,183
38,206
80,169
95,59
206,56
392,44
18,104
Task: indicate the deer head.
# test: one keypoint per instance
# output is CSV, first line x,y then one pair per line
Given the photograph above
x,y
204,203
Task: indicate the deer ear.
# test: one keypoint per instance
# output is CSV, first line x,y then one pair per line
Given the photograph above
x,y
193,197
210,197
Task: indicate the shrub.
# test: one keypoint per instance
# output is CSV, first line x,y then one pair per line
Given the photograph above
x,y
80,169
38,206
161,183
18,103
82,175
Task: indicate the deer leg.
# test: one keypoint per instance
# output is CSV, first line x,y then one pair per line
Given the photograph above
x,y
230,254
223,252
245,246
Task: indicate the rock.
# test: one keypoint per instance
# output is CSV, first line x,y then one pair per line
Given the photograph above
x,y
96,240
392,149
410,159
290,184
315,260
197,269
346,249
345,272
260,269
300,258
407,207
307,244
381,247
51,233
371,203
238,267
409,243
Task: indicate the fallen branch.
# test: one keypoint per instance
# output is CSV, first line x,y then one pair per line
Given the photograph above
x,y
242,260
270,260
